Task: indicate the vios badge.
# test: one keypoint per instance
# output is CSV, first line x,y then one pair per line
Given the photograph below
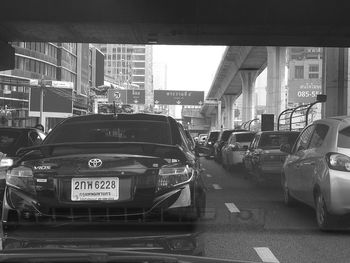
x,y
95,163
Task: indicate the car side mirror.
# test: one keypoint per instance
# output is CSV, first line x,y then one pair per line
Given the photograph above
x,y
285,148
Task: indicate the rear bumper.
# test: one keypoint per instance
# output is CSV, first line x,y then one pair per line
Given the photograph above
x,y
238,157
19,206
271,167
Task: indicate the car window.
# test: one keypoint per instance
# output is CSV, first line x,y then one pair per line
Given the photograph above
x,y
304,139
112,131
275,140
35,138
226,135
232,139
319,135
42,135
213,137
8,139
344,138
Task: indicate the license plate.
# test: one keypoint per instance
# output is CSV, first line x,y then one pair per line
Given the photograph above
x,y
87,189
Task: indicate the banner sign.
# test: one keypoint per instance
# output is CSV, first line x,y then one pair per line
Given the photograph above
x,y
58,102
178,97
304,90
130,96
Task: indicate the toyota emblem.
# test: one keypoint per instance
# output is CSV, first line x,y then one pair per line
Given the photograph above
x,y
95,163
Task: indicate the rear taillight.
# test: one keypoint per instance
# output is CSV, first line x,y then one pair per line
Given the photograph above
x,y
338,161
20,177
6,162
170,176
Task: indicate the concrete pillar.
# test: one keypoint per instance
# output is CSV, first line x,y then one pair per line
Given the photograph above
x,y
229,99
248,80
335,81
276,80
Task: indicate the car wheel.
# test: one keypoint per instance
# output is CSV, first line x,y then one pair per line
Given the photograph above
x,y
287,198
324,219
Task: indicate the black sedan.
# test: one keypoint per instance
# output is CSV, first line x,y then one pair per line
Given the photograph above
x,y
11,140
129,167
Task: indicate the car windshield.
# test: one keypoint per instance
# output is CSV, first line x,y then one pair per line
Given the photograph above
x,y
344,138
185,127
274,141
112,131
244,137
8,140
225,135
213,136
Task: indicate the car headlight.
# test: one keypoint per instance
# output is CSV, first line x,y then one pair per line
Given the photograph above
x,y
338,161
170,176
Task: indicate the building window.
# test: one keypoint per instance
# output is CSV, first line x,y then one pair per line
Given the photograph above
x,y
139,57
142,65
299,72
313,68
313,76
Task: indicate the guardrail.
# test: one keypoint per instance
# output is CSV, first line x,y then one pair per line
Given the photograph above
x,y
247,124
299,113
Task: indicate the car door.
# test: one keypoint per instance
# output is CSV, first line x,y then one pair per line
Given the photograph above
x,y
308,163
293,162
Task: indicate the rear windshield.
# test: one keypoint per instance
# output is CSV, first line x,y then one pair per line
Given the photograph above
x,y
213,136
274,141
244,137
8,139
226,135
112,131
344,138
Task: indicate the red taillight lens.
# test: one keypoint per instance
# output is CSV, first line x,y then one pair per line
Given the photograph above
x,y
338,161
170,176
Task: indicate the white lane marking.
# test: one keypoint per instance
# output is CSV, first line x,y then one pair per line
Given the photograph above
x,y
209,175
232,207
217,187
266,255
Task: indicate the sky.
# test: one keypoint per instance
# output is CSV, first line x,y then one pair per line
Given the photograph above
x,y
189,67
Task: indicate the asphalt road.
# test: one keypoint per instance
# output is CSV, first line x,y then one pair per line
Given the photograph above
x,y
253,224
243,221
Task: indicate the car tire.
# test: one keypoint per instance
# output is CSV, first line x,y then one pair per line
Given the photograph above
x,y
325,221
287,198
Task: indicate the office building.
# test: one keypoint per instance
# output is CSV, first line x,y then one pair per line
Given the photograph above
x,y
48,61
131,67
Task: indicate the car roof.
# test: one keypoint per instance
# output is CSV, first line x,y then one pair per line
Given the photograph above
x,y
277,132
244,132
122,116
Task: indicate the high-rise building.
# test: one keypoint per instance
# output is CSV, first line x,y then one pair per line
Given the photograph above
x,y
130,66
48,61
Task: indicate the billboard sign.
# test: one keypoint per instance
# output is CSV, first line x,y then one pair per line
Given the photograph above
x,y
130,96
178,97
58,102
304,90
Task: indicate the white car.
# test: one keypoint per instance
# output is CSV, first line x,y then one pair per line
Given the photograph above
x,y
317,169
235,148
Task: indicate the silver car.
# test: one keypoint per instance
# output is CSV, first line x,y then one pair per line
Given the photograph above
x,y
317,169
